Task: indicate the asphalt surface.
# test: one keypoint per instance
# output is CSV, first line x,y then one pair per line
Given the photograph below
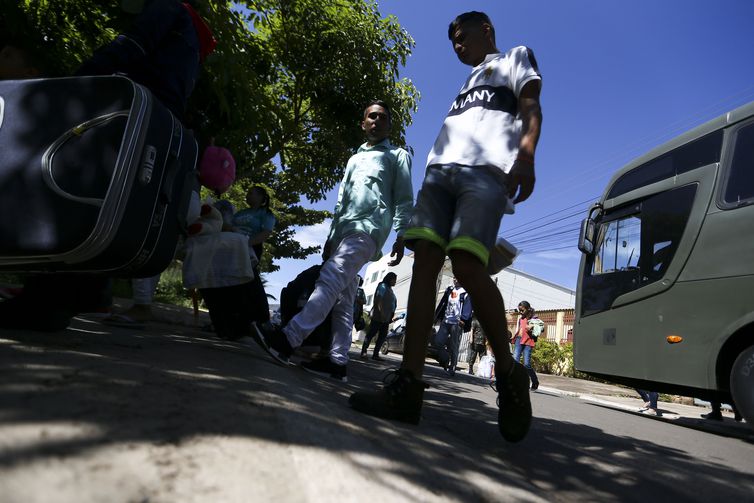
x,y
170,413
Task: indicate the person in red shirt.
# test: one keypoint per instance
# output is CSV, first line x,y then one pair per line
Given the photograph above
x,y
524,342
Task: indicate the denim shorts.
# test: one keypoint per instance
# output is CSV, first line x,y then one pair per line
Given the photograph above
x,y
459,208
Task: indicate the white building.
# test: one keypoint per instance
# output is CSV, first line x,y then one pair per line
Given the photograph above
x,y
514,286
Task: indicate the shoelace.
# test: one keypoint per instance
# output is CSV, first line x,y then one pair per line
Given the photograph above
x,y
395,380
508,386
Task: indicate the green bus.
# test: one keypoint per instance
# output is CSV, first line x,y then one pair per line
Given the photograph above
x,y
665,295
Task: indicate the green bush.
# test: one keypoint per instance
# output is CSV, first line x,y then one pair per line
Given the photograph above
x,y
548,358
571,370
170,290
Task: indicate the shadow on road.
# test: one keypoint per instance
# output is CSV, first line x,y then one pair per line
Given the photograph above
x,y
166,386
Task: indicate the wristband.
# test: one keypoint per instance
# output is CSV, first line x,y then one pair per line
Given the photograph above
x,y
525,157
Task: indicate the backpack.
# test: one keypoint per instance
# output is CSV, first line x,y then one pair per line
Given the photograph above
x,y
292,300
537,328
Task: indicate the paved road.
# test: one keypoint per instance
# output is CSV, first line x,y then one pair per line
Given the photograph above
x,y
171,414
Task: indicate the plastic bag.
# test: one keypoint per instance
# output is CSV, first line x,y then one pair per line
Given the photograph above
x,y
484,369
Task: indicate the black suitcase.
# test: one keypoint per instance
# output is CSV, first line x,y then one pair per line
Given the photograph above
x,y
95,176
292,300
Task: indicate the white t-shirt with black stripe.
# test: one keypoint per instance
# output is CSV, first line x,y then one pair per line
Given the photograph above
x,y
482,126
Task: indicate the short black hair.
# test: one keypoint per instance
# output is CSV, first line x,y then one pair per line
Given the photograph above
x,y
389,276
471,16
383,105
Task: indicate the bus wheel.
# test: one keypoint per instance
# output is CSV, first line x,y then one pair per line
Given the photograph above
x,y
384,349
742,384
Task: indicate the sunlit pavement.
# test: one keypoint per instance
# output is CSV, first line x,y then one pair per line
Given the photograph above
x,y
170,413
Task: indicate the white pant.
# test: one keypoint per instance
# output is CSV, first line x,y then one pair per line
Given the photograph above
x,y
144,288
334,290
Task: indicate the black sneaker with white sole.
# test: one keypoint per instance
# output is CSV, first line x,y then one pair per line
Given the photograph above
x,y
326,368
272,339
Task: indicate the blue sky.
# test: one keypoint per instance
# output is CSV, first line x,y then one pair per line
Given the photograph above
x,y
619,78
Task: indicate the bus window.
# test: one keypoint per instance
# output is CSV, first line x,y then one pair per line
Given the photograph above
x,y
618,246
634,250
740,184
698,153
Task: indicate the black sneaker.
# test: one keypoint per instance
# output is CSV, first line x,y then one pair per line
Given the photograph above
x,y
272,339
327,368
400,399
514,405
378,358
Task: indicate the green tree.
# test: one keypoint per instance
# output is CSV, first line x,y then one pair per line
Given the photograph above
x,y
284,90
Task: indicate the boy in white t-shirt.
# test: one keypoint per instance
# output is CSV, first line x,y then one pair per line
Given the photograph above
x,y
480,165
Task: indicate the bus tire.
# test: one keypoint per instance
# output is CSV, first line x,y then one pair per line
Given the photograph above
x,y
384,349
742,384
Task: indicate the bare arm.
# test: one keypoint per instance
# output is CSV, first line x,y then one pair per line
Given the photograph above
x,y
521,176
259,237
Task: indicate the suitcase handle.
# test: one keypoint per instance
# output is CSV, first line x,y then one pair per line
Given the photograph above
x,y
47,174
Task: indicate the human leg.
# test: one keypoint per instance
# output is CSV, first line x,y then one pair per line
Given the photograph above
x,y
373,328
517,349
442,337
645,397
402,396
653,396
471,359
380,340
514,414
337,274
143,296
529,369
428,261
213,299
336,282
342,321
716,413
454,344
144,288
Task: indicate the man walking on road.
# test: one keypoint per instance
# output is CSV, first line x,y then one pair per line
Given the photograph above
x,y
454,314
374,195
481,162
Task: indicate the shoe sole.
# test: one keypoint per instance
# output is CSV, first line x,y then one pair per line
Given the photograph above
x,y
325,374
258,337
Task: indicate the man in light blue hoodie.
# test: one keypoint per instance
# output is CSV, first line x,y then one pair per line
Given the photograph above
x,y
374,196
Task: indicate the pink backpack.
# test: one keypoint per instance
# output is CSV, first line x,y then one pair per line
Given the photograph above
x,y
217,169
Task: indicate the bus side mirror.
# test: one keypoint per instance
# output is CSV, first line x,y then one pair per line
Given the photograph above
x,y
586,236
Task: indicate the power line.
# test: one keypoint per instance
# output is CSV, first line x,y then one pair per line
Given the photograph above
x,y
556,212
648,142
571,215
544,237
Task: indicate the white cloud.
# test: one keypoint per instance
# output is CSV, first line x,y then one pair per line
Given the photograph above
x,y
313,235
555,255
